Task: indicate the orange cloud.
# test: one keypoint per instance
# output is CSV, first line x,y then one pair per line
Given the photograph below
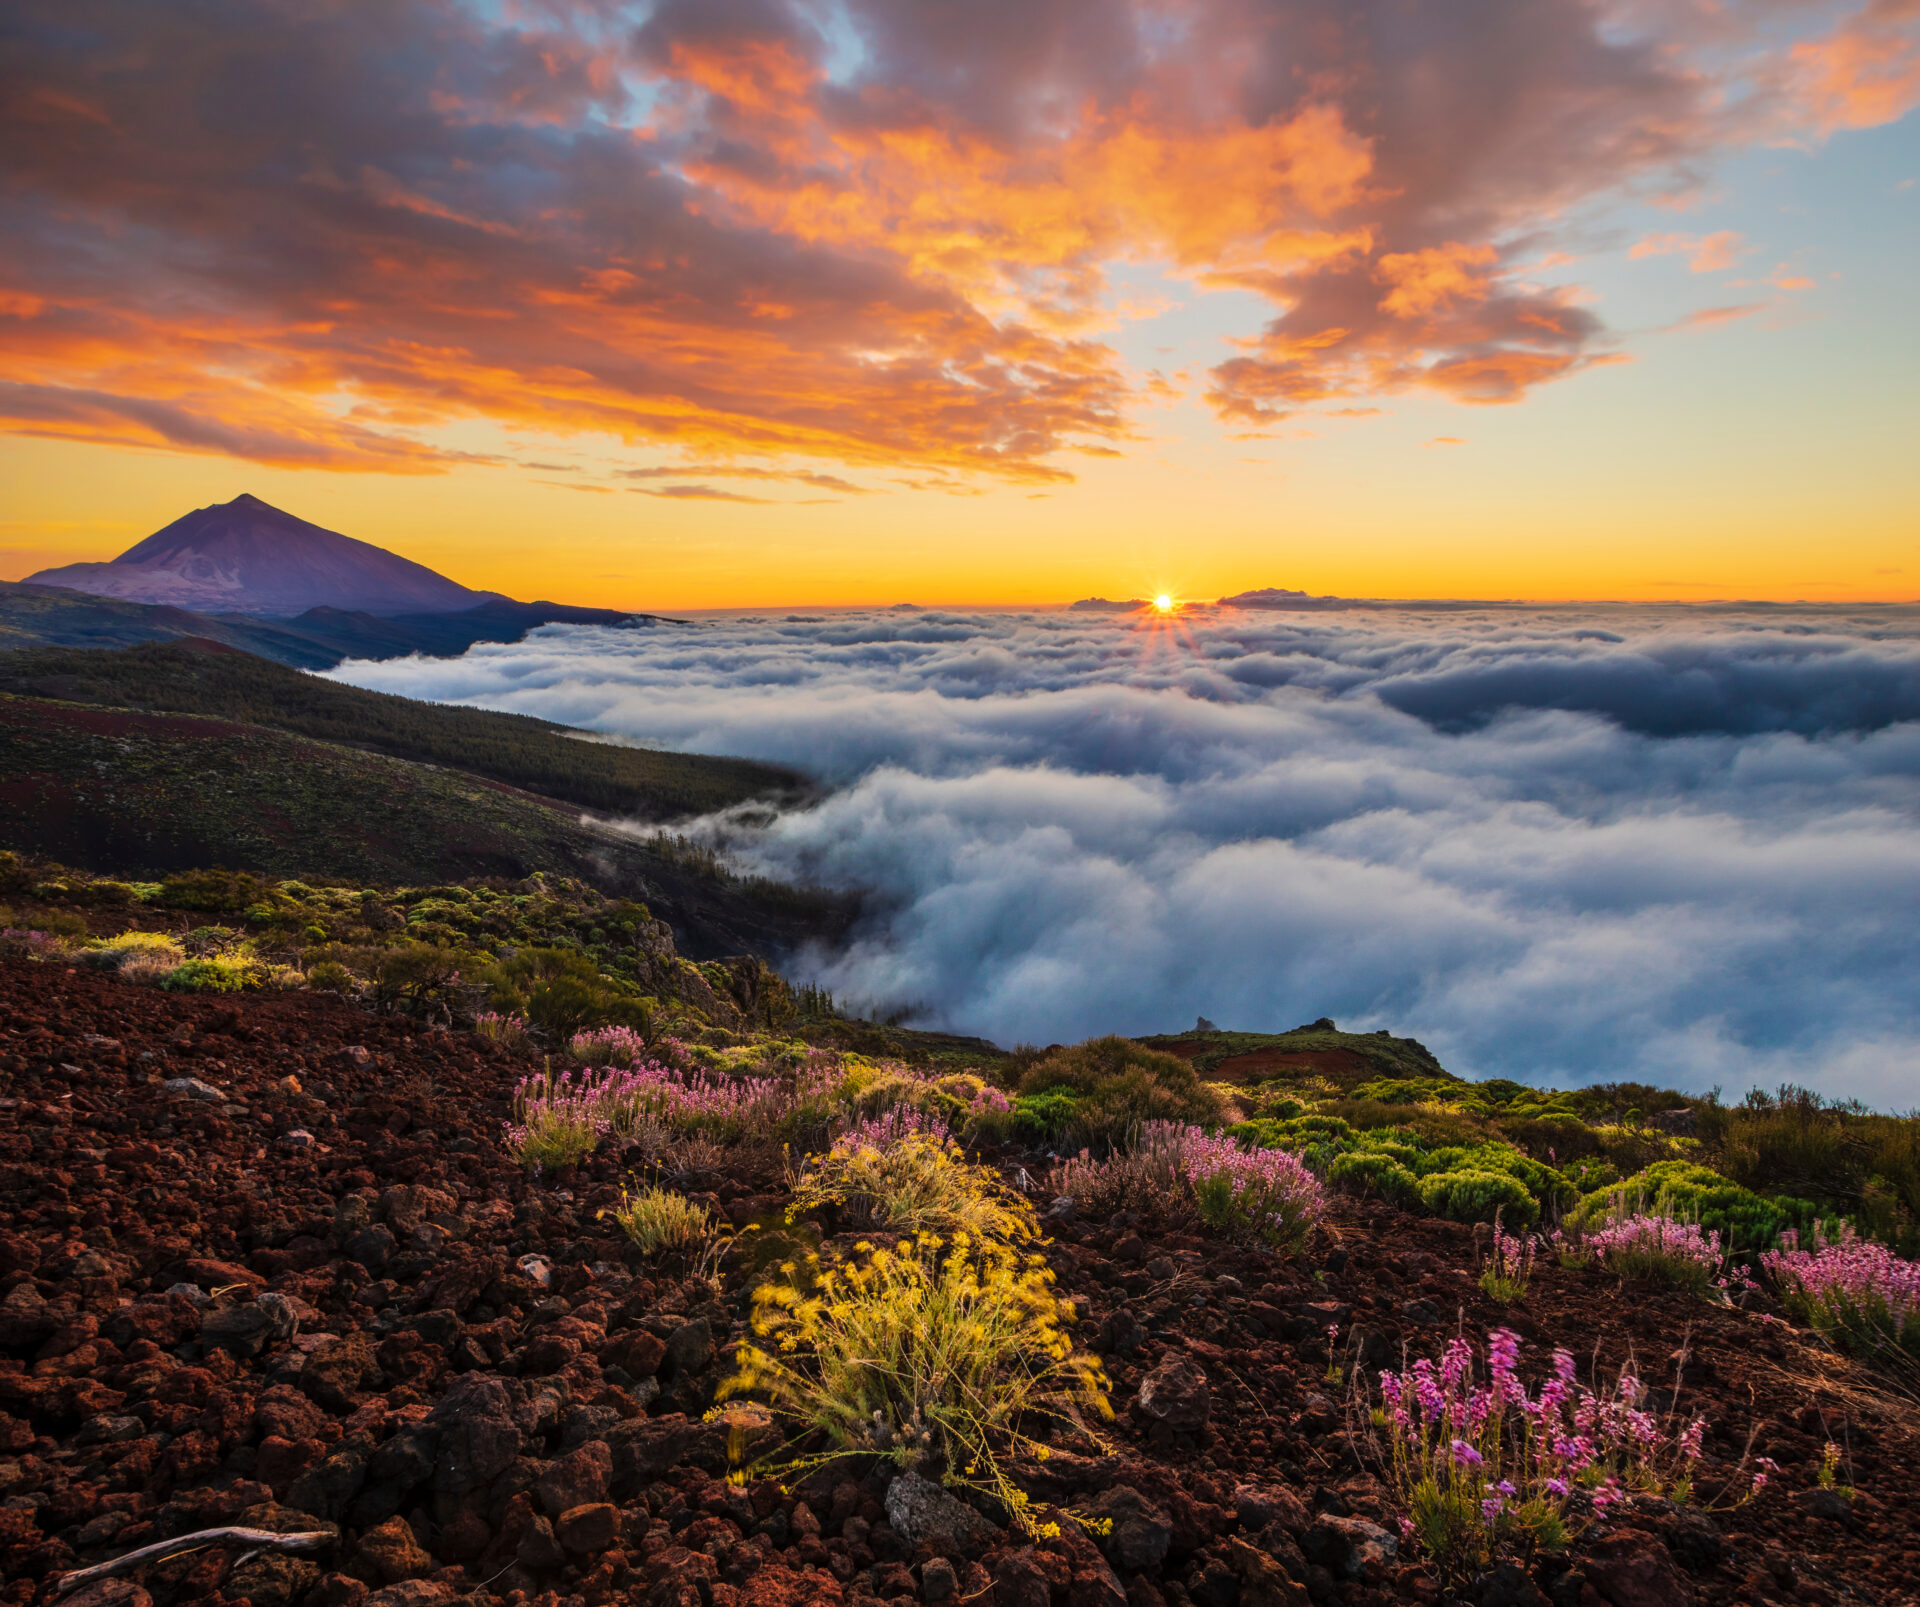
x,y
1425,281
1865,73
1712,317
731,233
1709,253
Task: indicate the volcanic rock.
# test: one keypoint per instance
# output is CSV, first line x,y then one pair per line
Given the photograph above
x,y
927,1515
1175,1394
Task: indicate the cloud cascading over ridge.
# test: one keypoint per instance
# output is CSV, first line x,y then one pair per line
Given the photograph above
x,y
1680,845
855,232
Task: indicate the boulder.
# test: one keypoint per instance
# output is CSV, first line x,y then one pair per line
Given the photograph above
x,y
1256,1506
927,1515
938,1581
1019,1580
1263,1582
538,1548
326,1490
638,1353
690,1347
1142,1532
390,1553
335,1376
1631,1569
1175,1394
643,1448
244,1328
576,1479
411,1593
478,1436
109,1593
588,1529
1347,1547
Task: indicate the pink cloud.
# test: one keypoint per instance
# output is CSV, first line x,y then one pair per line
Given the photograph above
x,y
1865,73
1713,317
1707,253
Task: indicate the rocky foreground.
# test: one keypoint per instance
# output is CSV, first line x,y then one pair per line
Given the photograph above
x,y
266,1263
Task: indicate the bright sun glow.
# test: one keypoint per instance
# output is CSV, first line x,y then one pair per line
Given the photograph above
x,y
1163,603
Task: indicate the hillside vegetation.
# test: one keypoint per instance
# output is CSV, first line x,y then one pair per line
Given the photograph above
x,y
537,755
146,795
851,1304
563,957
52,616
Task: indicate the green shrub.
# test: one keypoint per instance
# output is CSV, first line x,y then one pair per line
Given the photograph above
x,y
1690,1192
1475,1196
330,976
415,975
1559,1137
1046,1115
1121,1085
1546,1185
1425,1124
1318,1140
1850,1160
216,890
216,973
1371,1172
561,991
110,954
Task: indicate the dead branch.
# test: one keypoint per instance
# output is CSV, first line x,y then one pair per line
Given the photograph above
x,y
259,1539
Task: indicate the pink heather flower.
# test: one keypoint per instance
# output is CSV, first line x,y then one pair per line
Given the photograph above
x,y
1466,1455
1642,1237
1272,1187
877,1132
1559,1488
1849,1282
618,1099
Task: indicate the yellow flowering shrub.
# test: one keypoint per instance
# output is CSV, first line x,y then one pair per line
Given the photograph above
x,y
659,1219
933,1353
916,1183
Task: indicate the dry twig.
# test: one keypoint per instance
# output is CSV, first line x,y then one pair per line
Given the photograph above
x,y
200,1539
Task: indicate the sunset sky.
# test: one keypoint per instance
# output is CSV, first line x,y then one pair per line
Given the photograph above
x,y
744,302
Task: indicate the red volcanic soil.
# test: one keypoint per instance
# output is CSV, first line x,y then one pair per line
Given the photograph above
x,y
1258,1064
299,1298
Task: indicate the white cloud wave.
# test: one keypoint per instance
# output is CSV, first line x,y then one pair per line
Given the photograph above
x,y
1680,845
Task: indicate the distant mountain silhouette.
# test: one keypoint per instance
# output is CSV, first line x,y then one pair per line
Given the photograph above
x,y
1280,598
248,557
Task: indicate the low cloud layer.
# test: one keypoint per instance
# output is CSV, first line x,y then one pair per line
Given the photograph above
x,y
1679,844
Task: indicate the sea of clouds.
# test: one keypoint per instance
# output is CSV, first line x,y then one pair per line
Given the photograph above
x,y
1679,845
